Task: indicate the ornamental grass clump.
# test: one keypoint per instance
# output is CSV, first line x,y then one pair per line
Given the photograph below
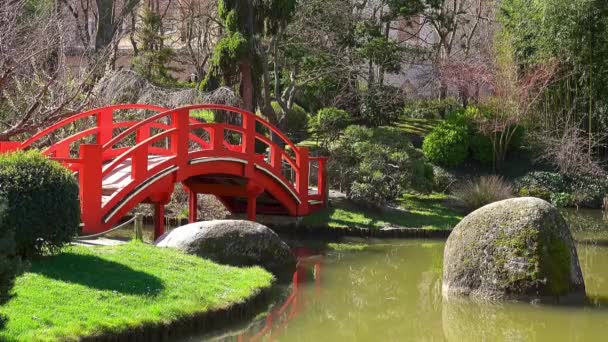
x,y
473,195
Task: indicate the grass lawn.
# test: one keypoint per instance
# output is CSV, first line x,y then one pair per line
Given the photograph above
x,y
420,127
420,211
92,290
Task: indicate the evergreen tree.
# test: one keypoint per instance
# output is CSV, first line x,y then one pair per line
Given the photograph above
x,y
153,59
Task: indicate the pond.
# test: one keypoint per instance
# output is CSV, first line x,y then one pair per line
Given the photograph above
x,y
362,290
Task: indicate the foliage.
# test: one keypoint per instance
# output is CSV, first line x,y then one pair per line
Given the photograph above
x,y
542,184
203,114
475,194
561,199
10,263
329,123
589,191
153,59
575,33
448,144
376,165
92,291
585,191
443,180
482,149
42,202
430,108
239,56
296,121
381,105
227,53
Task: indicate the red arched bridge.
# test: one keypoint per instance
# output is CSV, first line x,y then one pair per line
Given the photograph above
x,y
250,167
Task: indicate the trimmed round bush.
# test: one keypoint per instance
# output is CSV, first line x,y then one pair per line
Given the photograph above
x,y
447,145
42,202
10,263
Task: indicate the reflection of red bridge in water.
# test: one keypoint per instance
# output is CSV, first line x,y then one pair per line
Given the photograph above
x,y
280,316
132,162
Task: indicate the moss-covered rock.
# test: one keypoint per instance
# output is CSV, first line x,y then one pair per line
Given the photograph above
x,y
234,242
519,249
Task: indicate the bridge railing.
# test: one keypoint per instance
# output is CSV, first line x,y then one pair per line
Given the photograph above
x,y
105,126
184,131
173,133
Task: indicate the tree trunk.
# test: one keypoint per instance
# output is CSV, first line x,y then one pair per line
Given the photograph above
x,y
246,85
105,26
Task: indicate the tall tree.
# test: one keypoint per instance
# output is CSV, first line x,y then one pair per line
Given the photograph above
x,y
237,55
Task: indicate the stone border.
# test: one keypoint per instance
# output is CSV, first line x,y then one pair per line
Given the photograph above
x,y
202,323
286,225
384,233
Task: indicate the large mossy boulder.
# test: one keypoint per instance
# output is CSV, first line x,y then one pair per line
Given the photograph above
x,y
516,249
234,242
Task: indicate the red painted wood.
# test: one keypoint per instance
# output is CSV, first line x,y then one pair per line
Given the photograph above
x,y
192,206
144,161
159,220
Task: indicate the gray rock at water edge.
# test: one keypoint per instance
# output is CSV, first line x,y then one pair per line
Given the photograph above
x,y
516,249
234,242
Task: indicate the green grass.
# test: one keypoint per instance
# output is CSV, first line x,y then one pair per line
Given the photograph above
x,y
346,247
409,126
420,127
421,211
205,115
92,290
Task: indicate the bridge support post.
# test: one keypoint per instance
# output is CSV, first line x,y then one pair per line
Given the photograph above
x,y
253,192
192,206
159,219
90,188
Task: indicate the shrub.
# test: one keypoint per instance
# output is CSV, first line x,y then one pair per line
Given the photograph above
x,y
376,165
481,146
561,199
443,180
42,202
585,191
542,184
328,123
589,190
10,263
430,108
482,149
296,121
381,105
473,195
448,144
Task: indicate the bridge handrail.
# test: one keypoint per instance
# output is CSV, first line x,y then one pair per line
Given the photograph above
x,y
167,113
125,155
82,115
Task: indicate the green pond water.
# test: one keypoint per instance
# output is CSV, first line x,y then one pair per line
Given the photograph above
x,y
390,290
